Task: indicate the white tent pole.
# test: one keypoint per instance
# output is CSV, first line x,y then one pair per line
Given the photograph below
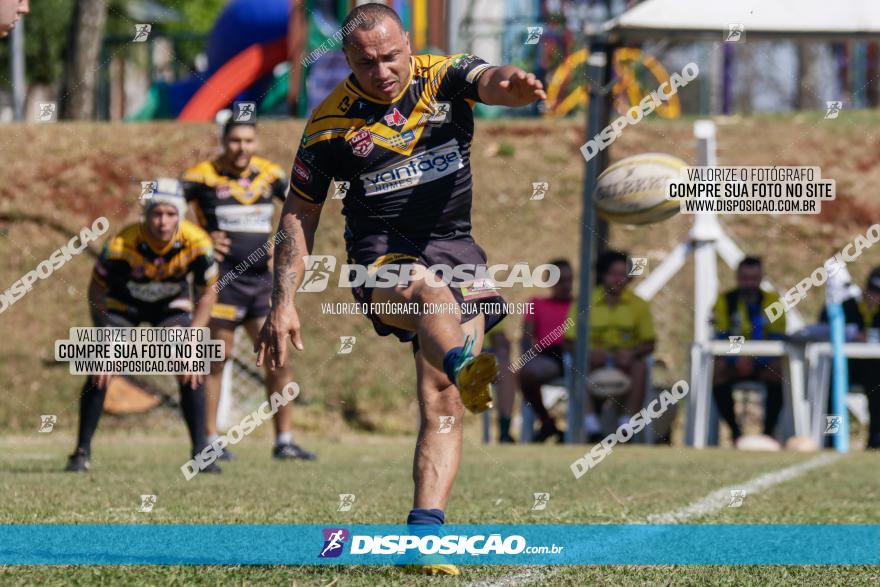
x,y
672,264
704,235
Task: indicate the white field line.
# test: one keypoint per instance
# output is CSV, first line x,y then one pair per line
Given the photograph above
x,y
718,500
714,502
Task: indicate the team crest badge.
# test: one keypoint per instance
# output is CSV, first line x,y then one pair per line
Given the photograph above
x,y
223,192
361,143
395,118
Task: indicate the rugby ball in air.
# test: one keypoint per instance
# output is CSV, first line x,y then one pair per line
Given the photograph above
x,y
758,442
633,190
608,382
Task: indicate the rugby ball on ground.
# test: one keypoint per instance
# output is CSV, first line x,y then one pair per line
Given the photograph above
x,y
758,442
633,190
801,444
608,382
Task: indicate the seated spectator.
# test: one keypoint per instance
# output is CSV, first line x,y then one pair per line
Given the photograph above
x,y
548,315
740,312
865,315
621,336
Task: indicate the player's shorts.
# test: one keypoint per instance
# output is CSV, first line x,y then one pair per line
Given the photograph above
x,y
242,299
174,313
382,250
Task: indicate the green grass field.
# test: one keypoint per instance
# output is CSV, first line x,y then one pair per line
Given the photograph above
x,y
495,485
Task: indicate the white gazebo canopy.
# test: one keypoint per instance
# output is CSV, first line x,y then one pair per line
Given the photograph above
x,y
709,19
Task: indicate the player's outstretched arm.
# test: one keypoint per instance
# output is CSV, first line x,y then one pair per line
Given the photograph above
x,y
296,235
206,297
508,85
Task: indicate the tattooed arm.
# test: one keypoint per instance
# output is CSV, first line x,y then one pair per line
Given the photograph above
x,y
295,237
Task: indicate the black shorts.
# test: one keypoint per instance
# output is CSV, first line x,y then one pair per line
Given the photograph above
x,y
382,250
242,299
128,319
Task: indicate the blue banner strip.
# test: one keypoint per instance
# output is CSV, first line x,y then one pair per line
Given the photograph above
x,y
182,544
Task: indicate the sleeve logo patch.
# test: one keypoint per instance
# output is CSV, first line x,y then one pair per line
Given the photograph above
x,y
301,172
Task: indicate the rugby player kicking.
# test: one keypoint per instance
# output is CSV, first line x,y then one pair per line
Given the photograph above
x,y
141,276
399,131
233,197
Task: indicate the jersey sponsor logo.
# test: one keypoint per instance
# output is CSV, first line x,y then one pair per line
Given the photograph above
x,y
344,104
253,218
395,118
361,143
403,139
153,291
463,60
419,169
301,172
475,72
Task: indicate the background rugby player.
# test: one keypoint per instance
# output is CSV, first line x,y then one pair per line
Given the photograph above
x,y
399,130
233,197
141,276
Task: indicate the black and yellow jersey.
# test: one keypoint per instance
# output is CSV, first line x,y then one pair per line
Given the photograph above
x,y
402,167
138,272
239,204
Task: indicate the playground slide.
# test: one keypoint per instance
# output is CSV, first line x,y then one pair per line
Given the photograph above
x,y
232,78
